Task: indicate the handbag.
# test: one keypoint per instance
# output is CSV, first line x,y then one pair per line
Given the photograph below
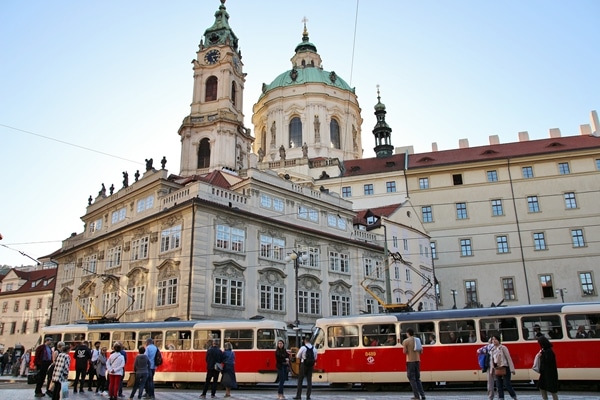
x,y
219,366
536,362
499,371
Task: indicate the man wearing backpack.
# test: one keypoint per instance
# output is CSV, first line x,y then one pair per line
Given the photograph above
x,y
151,350
307,355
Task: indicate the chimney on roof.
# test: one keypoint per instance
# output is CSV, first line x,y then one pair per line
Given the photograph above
x,y
463,143
585,129
494,139
434,146
523,136
554,132
595,124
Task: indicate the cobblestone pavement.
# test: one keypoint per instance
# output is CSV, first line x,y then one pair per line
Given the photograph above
x,y
17,389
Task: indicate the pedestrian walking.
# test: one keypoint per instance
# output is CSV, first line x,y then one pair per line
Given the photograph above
x,y
214,356
60,376
115,366
503,367
548,381
488,367
151,351
413,348
82,356
282,360
102,387
307,356
141,367
43,359
228,380
25,360
92,369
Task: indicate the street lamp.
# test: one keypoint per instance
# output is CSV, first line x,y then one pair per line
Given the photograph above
x,y
454,292
294,255
562,293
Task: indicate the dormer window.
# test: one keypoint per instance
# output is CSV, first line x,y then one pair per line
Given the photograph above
x,y
371,219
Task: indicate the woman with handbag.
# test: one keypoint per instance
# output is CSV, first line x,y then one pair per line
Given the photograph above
x,y
503,368
548,381
282,359
228,380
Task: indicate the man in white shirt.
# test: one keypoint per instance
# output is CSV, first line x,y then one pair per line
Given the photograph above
x,y
307,355
92,369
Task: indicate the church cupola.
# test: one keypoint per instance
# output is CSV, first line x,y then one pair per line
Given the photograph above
x,y
382,131
220,32
306,53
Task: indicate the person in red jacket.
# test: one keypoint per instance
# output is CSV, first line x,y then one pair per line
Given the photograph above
x,y
43,359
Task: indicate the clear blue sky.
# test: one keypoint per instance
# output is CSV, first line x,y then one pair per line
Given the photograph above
x,y
115,77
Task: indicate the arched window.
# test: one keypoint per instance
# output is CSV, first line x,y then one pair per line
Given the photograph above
x,y
211,89
334,134
295,132
233,92
204,153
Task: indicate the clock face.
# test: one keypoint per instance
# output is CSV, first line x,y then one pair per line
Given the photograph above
x,y
212,56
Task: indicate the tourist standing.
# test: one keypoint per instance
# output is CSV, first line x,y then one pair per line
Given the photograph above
x,y
502,361
115,366
43,359
60,376
82,355
548,381
307,355
151,350
282,359
213,356
141,367
92,369
412,348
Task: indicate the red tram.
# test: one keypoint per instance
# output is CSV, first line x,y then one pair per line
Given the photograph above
x,y
367,348
183,345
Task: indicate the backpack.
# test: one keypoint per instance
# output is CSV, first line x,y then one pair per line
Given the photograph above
x,y
309,356
158,360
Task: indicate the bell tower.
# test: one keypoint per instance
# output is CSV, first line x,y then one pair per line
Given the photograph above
x,y
213,135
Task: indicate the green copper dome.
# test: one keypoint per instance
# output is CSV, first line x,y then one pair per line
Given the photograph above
x,y
302,76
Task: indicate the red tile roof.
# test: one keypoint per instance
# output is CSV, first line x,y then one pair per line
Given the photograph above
x,y
38,278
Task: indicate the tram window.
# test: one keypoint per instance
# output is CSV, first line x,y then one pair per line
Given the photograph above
x,y
541,325
342,336
318,338
457,331
423,330
266,339
126,338
379,335
505,327
178,340
74,339
202,338
55,338
583,326
102,337
156,335
240,338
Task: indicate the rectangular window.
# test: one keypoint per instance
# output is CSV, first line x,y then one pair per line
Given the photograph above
x,y
109,303
335,221
69,271
465,248
587,285
492,176
167,292
340,305
36,326
427,214
272,248
570,201
598,164
309,302
577,235
390,187
457,179
39,303
527,172
497,207
90,264
229,292
368,189
347,191
119,215
27,304
339,262
539,241
423,183
508,288
64,312
272,298
137,297
113,257
532,204
96,225
139,248
310,214
372,268
471,292
547,286
13,328
314,256
145,204
371,308
16,306
563,168
502,244
548,325
461,210
170,238
232,239
273,203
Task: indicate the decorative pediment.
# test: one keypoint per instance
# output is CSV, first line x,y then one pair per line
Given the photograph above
x,y
66,295
168,269
377,289
271,276
139,233
170,221
86,288
137,276
117,240
340,287
309,282
111,284
229,268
